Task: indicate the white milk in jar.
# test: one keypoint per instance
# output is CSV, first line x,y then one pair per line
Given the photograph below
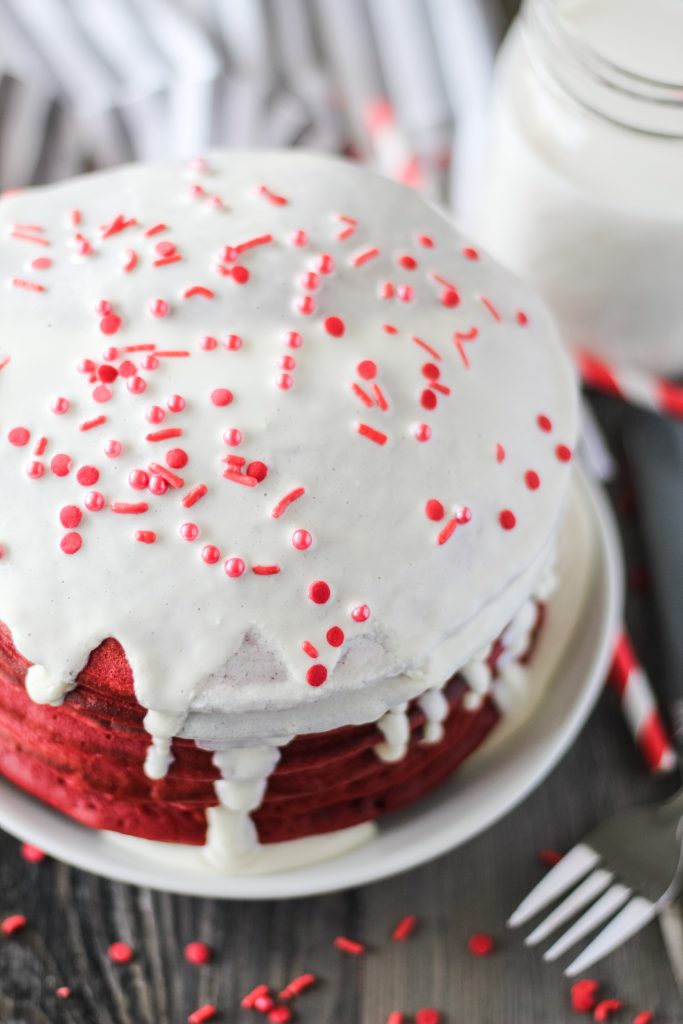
x,y
583,194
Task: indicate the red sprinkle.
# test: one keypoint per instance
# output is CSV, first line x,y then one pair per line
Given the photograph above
x,y
544,423
164,435
248,1001
308,648
120,953
145,536
63,992
319,592
87,476
70,517
19,436
198,289
644,1017
500,453
372,435
110,323
363,395
204,1013
549,857
283,503
29,286
316,675
297,985
584,995
194,495
234,567
405,928
532,480
265,570
367,369
171,479
363,257
71,543
32,854
198,953
605,1009
349,946
12,924
507,519
434,510
395,1017
480,944
335,636
91,424
423,432
563,453
448,531
271,196
361,613
427,1016
177,458
334,326
280,1015
221,396
129,508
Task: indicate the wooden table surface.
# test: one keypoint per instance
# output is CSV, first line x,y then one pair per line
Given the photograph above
x,y
73,917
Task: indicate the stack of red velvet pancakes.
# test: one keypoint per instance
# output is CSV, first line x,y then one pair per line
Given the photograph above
x,y
283,464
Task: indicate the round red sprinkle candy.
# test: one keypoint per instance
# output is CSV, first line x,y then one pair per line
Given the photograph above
x,y
334,326
449,298
644,1017
107,374
112,449
240,274
431,371
158,485
367,369
280,1015
390,329
232,437
286,362
507,519
19,436
176,458
71,543
110,354
258,470
165,248
604,1010
101,393
264,1003
155,414
88,475
521,318
316,675
428,399
335,636
584,995
32,854
423,432
544,423
104,307
210,554
480,944
319,592
301,539
427,1016
310,280
563,453
293,339
208,344
35,470
12,924
234,567
284,381
136,385
110,323
549,857
70,517
176,403
198,953
434,510
120,953
85,366
158,307
150,362
426,241
127,368
202,1014
306,305
405,293
139,479
298,238
61,464
470,254
59,406
189,531
233,342
532,479
361,613
146,536
94,501
63,992
407,262
500,453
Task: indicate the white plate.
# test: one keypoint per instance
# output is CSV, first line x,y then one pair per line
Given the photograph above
x,y
567,672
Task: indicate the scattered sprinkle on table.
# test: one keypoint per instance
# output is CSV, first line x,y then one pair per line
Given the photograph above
x,y
584,995
120,953
481,944
198,953
349,946
13,924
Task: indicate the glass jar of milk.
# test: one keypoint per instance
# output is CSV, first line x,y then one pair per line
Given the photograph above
x,y
583,193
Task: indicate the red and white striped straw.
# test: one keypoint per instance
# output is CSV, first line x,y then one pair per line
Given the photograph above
x,y
391,152
636,386
636,696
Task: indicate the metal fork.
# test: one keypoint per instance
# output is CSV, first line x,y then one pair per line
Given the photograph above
x,y
628,869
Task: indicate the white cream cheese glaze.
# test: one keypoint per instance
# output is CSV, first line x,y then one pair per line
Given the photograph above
x,y
368,358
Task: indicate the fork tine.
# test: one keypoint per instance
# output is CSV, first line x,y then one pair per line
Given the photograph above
x,y
584,894
636,914
570,870
602,909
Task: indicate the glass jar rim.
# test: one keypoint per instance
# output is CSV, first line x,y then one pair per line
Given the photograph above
x,y
626,98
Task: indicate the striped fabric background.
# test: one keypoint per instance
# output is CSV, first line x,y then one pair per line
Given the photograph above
x,y
87,83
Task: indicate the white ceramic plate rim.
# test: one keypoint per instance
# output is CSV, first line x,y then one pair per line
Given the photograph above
x,y
494,781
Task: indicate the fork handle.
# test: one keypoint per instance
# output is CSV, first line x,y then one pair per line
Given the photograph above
x,y
654,450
